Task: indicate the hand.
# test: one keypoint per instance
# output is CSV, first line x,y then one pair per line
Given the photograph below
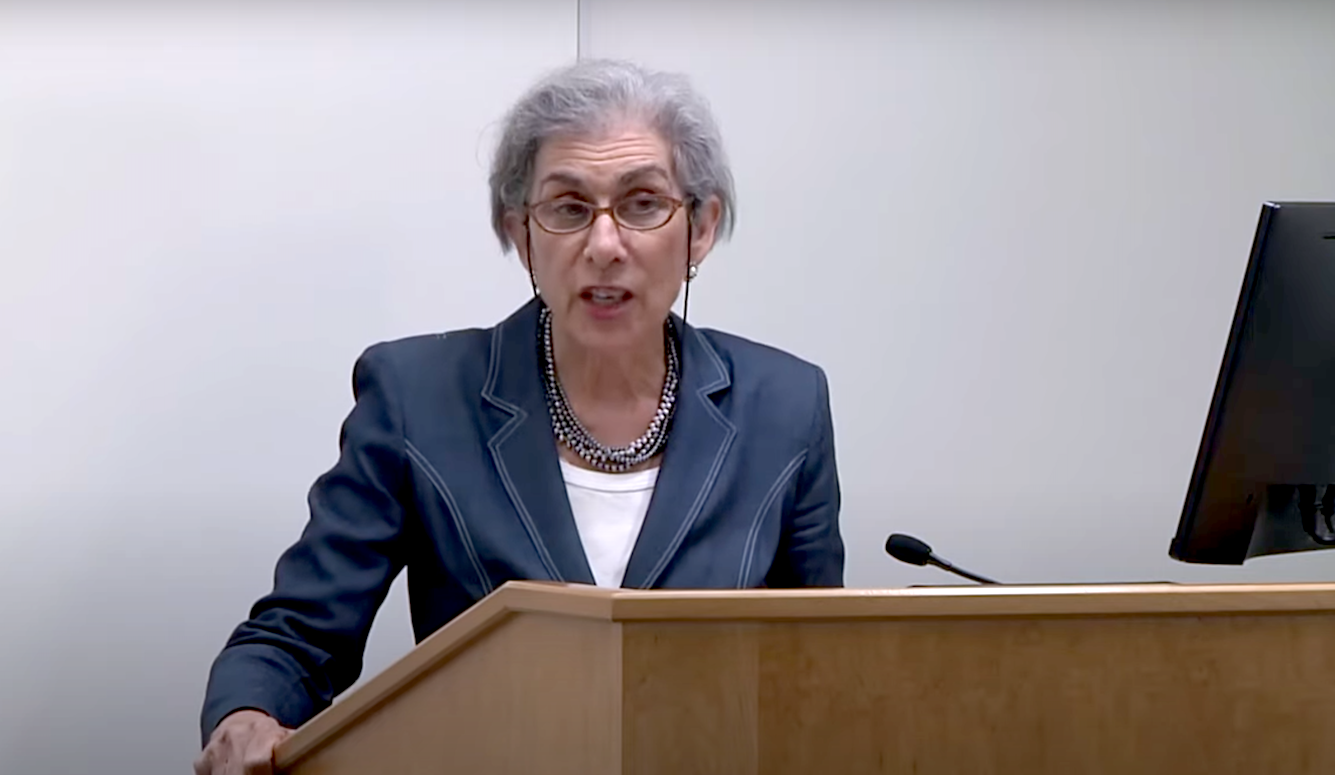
x,y
242,744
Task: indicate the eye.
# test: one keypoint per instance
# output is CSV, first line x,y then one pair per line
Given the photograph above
x,y
563,215
569,209
643,204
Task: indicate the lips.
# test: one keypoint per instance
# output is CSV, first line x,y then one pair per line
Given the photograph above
x,y
605,295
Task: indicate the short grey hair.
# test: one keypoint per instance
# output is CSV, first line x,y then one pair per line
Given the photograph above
x,y
582,99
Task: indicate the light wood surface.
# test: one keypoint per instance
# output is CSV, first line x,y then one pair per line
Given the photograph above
x,y
1187,696
1053,600
572,600
1093,679
535,694
692,689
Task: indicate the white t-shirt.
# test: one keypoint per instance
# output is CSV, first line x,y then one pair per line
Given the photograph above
x,y
609,510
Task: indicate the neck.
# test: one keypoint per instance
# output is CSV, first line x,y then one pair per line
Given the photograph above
x,y
624,376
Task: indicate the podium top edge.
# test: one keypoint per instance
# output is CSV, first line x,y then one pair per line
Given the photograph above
x,y
626,605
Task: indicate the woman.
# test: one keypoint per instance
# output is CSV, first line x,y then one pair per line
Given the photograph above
x,y
591,437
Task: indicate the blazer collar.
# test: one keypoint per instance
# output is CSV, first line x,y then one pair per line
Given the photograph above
x,y
524,452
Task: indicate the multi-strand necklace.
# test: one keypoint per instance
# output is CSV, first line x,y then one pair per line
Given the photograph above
x,y
572,433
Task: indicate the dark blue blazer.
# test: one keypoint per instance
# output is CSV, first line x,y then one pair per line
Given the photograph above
x,y
448,467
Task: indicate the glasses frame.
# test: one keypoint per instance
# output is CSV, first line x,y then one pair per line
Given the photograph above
x,y
610,211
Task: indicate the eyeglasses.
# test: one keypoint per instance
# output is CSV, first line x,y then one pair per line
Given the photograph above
x,y
638,212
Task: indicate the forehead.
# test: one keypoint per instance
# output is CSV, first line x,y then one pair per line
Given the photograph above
x,y
607,160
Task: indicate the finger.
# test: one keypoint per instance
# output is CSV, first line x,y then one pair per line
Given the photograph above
x,y
258,765
213,761
258,759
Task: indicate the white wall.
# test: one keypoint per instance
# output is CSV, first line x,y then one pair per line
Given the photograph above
x,y
1014,234
204,217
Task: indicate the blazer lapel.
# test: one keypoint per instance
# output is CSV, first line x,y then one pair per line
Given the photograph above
x,y
697,447
524,451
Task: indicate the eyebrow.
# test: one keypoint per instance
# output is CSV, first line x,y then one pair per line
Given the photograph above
x,y
647,170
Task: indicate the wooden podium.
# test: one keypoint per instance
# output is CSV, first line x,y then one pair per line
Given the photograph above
x,y
1142,679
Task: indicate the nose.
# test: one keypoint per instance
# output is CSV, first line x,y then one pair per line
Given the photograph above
x,y
604,245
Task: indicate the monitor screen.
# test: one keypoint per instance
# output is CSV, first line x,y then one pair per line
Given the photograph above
x,y
1264,478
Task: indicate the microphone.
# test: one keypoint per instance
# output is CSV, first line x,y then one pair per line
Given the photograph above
x,y
906,548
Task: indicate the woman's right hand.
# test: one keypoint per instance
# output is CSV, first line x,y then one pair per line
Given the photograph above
x,y
242,744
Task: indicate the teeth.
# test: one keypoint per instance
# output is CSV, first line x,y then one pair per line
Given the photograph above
x,y
606,297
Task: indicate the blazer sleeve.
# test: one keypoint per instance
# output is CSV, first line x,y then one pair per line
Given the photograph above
x,y
811,550
303,643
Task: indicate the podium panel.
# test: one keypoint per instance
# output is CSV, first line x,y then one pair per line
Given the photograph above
x,y
544,678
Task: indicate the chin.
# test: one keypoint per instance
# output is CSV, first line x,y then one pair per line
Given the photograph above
x,y
600,336
617,329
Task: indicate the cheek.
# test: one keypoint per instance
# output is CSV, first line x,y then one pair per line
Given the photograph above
x,y
552,258
668,261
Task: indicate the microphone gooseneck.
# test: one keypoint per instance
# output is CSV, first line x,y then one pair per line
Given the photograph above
x,y
914,551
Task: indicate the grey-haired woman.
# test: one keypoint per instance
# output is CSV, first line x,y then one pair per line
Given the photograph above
x,y
592,437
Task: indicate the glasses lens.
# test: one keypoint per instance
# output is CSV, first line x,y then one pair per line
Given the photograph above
x,y
644,211
564,215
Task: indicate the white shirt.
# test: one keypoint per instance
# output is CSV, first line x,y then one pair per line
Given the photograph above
x,y
609,510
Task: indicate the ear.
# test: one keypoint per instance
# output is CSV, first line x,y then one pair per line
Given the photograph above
x,y
517,230
704,229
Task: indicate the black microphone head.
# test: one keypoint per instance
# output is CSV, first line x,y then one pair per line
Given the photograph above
x,y
908,549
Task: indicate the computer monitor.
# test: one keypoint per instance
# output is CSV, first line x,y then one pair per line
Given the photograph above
x,y
1264,479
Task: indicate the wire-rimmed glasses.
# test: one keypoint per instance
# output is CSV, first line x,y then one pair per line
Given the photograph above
x,y
637,212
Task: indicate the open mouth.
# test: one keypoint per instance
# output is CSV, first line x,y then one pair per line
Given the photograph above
x,y
605,302
605,296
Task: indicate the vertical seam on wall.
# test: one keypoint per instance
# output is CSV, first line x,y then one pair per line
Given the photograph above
x,y
581,30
